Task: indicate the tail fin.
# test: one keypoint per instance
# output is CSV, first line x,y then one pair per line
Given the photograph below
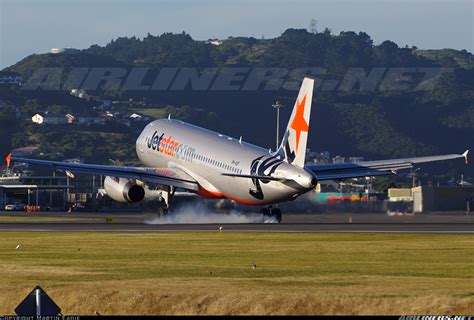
x,y
293,145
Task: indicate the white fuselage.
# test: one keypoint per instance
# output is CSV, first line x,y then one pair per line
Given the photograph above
x,y
205,155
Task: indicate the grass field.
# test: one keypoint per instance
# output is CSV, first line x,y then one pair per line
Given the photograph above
x,y
212,273
156,113
33,219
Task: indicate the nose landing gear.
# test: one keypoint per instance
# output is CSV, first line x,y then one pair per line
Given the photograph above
x,y
271,213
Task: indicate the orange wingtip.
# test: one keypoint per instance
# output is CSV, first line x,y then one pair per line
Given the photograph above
x,y
8,158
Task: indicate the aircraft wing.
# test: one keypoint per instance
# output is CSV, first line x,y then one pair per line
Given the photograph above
x,y
372,168
164,176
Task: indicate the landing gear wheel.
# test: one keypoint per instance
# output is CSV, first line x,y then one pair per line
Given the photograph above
x,y
277,214
265,212
165,197
162,212
269,212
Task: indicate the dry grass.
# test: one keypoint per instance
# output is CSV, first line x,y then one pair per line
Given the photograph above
x,y
207,273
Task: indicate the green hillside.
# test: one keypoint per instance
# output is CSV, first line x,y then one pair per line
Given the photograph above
x,y
461,58
374,123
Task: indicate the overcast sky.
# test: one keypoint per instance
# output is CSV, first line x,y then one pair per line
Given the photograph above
x,y
35,26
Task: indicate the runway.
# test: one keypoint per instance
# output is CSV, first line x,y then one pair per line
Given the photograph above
x,y
303,227
338,223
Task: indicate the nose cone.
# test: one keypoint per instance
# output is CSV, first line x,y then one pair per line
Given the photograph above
x,y
313,182
306,180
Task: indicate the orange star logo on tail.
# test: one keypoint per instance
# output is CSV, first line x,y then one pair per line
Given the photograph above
x,y
299,123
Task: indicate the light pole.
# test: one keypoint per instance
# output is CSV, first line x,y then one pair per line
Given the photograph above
x,y
413,176
277,106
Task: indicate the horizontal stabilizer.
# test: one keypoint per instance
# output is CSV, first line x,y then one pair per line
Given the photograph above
x,y
253,176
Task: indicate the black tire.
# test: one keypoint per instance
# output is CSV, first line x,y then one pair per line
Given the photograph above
x,y
265,212
162,212
277,214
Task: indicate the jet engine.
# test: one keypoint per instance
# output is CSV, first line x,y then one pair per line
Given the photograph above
x,y
124,190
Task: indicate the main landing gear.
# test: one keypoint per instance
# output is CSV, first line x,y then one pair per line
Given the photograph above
x,y
165,197
271,213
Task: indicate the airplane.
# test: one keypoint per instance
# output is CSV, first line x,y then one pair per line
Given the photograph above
x,y
180,155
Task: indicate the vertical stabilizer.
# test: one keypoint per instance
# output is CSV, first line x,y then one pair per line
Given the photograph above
x,y
293,145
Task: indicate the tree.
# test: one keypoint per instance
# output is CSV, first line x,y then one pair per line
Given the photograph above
x,y
31,107
58,109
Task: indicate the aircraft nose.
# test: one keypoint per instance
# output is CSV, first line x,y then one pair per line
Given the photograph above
x,y
307,181
313,182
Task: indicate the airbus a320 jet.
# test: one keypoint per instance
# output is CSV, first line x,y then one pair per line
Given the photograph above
x,y
177,154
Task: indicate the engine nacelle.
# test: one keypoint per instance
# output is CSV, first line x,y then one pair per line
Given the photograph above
x,y
123,190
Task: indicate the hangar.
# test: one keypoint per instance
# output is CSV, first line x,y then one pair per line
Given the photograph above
x,y
34,190
432,198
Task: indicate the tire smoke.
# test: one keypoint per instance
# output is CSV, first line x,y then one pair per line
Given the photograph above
x,y
200,213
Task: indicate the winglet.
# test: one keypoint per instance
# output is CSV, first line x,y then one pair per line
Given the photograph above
x,y
465,156
8,159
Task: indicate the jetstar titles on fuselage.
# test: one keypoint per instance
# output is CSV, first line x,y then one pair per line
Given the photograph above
x,y
167,145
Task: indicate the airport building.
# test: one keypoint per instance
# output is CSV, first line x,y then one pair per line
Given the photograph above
x,y
429,198
44,191
56,192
